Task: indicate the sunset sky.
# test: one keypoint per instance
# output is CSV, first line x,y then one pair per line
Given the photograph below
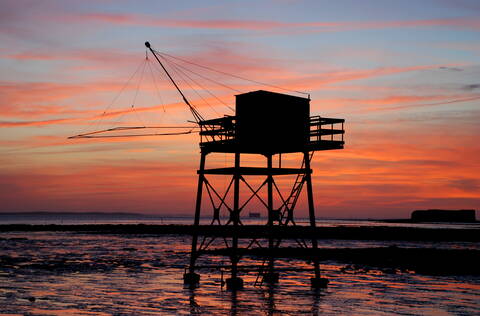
x,y
404,74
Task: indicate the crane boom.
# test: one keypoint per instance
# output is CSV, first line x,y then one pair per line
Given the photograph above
x,y
194,111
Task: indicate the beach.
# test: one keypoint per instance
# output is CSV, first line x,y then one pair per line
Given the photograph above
x,y
112,269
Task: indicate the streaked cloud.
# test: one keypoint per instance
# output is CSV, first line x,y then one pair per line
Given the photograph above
x,y
262,25
405,81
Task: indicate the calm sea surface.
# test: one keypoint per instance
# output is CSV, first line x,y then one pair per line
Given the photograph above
x,y
50,273
79,219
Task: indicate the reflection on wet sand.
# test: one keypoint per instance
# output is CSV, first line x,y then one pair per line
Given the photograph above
x,y
239,302
84,274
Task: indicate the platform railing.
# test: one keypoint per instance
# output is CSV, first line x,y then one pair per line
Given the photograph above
x,y
219,130
322,130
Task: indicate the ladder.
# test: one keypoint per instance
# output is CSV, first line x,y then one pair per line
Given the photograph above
x,y
296,190
260,274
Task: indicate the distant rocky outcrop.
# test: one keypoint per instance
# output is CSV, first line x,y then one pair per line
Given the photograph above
x,y
435,215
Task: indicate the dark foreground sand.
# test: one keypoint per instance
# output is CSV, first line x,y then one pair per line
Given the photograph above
x,y
431,260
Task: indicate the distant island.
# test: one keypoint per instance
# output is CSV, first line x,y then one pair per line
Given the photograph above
x,y
437,215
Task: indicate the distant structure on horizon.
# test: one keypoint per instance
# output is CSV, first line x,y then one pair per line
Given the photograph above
x,y
254,215
435,215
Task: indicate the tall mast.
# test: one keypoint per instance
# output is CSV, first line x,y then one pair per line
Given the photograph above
x,y
194,111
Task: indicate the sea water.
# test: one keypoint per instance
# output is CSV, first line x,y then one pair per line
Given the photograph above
x,y
131,218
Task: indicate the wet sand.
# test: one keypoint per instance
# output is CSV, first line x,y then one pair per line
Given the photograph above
x,y
433,261
427,261
78,273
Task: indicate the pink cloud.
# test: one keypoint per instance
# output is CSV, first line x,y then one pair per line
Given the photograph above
x,y
97,56
18,103
131,19
317,81
267,25
392,102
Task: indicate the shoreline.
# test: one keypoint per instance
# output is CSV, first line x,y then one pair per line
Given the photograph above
x,y
259,231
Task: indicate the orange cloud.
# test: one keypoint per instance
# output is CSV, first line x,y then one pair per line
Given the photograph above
x,y
14,93
35,123
51,92
122,187
398,168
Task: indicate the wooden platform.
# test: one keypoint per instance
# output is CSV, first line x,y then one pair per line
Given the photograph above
x,y
230,146
255,171
221,135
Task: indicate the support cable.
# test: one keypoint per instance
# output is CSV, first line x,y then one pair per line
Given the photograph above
x,y
117,121
183,75
178,67
233,75
99,121
195,113
156,87
138,89
214,81
206,78
94,134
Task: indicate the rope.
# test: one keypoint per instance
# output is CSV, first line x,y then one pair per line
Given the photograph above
x,y
232,75
136,92
180,72
156,87
131,135
94,134
116,97
196,115
186,75
138,88
209,79
202,87
153,69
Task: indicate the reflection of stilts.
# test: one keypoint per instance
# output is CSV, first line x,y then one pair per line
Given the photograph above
x,y
271,300
194,307
316,295
262,132
234,303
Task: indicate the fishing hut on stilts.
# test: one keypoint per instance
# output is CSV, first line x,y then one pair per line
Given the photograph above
x,y
267,125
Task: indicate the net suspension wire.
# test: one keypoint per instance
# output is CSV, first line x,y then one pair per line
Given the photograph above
x,y
104,113
101,133
197,116
230,74
132,107
188,80
182,72
114,129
